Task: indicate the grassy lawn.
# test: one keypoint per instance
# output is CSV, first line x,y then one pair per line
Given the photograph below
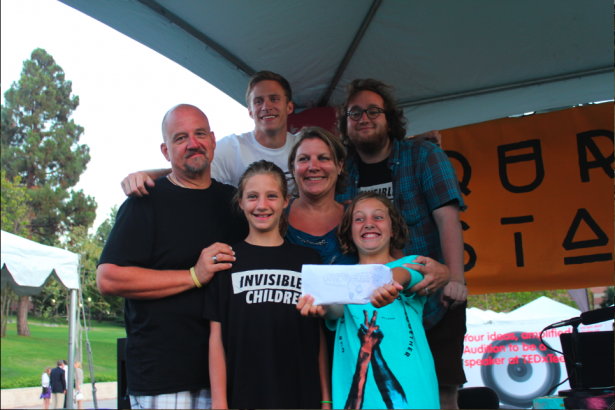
x,y
24,358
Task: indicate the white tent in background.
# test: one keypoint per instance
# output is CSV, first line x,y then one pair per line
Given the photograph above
x,y
543,307
476,316
26,267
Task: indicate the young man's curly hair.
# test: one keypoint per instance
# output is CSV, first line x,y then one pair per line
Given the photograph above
x,y
398,225
394,115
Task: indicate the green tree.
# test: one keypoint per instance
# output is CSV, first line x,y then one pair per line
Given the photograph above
x,y
40,144
507,302
15,208
103,231
89,249
14,220
608,297
114,304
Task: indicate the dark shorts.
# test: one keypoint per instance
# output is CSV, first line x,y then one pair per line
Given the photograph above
x,y
446,342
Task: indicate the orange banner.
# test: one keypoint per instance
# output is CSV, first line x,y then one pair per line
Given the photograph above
x,y
539,191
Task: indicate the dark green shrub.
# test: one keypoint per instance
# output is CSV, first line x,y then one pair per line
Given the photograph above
x,y
21,382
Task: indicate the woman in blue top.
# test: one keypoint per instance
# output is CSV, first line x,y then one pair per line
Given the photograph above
x,y
317,165
382,359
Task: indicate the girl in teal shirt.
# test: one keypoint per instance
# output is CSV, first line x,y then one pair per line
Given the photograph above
x,y
382,359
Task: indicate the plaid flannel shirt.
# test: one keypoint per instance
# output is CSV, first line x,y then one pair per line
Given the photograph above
x,y
423,180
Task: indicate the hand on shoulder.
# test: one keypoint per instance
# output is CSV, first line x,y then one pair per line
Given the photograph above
x,y
134,185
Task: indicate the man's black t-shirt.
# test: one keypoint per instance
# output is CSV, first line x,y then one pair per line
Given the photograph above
x,y
271,350
167,339
376,178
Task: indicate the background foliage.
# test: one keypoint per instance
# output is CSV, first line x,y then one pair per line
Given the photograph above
x,y
25,359
42,161
506,302
40,144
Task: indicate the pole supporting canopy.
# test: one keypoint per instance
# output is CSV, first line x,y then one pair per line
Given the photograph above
x,y
353,46
198,35
523,84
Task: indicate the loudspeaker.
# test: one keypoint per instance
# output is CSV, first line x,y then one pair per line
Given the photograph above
x,y
477,398
518,381
123,401
597,359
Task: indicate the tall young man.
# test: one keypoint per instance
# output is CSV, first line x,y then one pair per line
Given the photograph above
x,y
421,181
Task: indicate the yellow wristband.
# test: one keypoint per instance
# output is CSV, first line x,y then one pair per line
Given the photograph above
x,y
194,278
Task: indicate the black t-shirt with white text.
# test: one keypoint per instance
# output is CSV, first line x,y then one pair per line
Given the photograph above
x,y
376,178
168,339
271,350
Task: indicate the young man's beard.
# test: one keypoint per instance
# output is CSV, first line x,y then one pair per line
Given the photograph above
x,y
371,144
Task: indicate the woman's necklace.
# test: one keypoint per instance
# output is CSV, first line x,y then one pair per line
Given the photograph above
x,y
171,177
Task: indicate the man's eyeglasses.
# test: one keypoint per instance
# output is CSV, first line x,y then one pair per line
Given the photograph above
x,y
372,113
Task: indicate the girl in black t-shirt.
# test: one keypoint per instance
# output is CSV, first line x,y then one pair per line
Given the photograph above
x,y
262,352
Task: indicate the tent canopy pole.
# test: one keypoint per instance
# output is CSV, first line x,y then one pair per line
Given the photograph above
x,y
71,348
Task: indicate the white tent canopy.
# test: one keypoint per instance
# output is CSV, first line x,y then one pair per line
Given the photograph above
x,y
538,309
476,316
26,267
543,307
452,63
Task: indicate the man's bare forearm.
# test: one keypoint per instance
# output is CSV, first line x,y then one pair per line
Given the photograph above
x,y
157,173
451,240
140,283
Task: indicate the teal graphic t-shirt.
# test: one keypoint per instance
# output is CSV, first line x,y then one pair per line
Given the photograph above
x,y
381,356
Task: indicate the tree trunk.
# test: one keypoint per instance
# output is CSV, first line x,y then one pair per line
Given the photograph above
x,y
22,316
6,302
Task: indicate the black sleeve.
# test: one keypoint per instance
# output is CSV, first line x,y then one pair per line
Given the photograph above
x,y
213,296
63,379
130,242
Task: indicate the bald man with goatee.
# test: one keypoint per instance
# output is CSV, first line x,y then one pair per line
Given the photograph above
x,y
162,252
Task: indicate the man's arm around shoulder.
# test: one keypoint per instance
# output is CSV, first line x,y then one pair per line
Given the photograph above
x,y
140,283
451,240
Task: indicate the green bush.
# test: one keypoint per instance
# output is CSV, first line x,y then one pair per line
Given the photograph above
x,y
100,379
19,382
